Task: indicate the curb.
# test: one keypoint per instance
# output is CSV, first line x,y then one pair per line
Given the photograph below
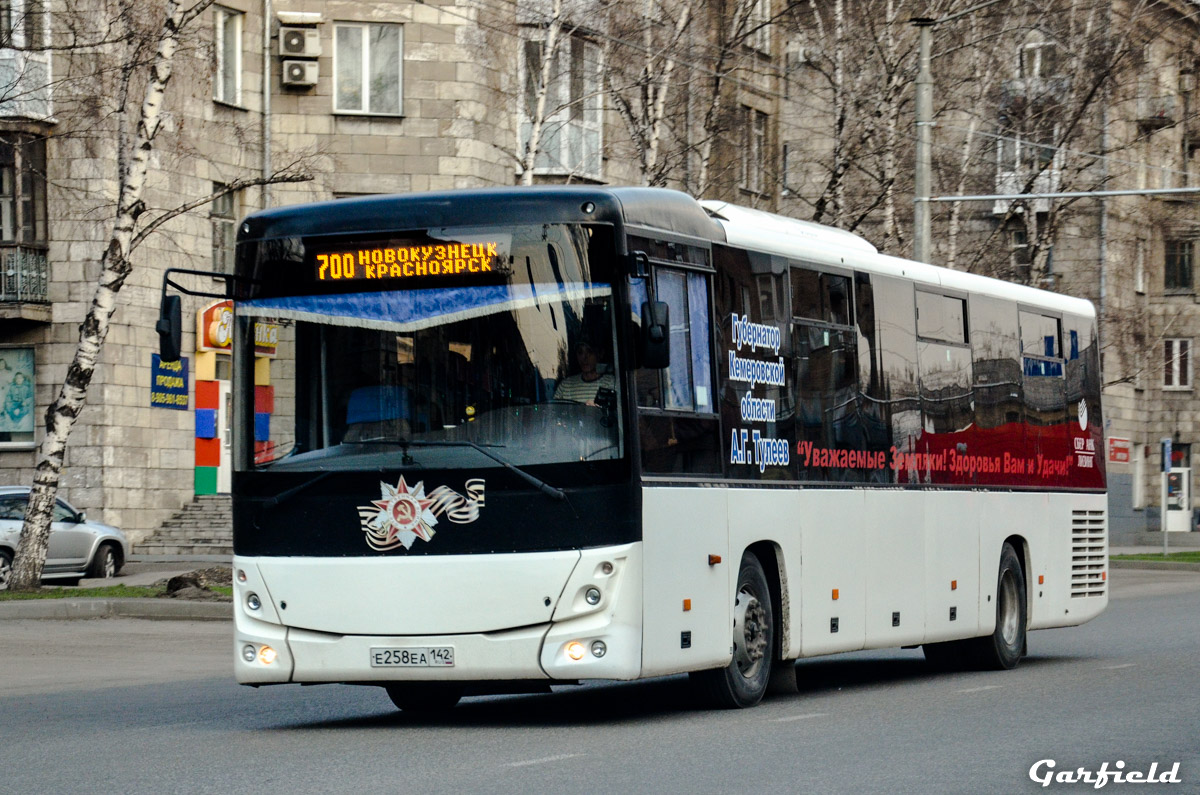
x,y
152,609
1158,565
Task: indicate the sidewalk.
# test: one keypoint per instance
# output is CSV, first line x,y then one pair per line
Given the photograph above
x,y
139,570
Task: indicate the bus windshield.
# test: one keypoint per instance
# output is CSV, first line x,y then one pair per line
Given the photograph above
x,y
521,366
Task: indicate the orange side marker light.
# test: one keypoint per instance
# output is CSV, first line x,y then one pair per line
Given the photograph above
x,y
687,605
835,594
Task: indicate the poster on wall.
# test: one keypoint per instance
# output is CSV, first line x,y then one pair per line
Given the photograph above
x,y
168,383
16,395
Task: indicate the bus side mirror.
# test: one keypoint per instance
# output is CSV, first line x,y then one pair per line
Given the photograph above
x,y
656,335
170,328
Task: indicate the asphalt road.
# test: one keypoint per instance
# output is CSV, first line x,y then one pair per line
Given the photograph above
x,y
129,706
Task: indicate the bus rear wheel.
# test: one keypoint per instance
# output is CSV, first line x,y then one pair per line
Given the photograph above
x,y
1002,649
424,696
744,681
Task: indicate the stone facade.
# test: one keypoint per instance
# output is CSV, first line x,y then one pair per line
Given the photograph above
x,y
749,120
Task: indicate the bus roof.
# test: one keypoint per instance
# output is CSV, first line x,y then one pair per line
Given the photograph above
x,y
648,208
652,208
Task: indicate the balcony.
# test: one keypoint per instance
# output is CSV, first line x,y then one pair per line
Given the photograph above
x,y
24,277
1010,181
25,82
1036,92
1155,113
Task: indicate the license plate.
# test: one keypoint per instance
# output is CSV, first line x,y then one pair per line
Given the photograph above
x,y
413,657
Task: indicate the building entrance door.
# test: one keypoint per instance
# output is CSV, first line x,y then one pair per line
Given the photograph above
x,y
225,434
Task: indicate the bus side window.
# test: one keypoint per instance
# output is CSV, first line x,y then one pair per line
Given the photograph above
x,y
686,384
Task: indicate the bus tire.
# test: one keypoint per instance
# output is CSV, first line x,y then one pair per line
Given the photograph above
x,y
1002,649
744,681
424,696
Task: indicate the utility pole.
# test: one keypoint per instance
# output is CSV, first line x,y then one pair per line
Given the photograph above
x,y
922,220
922,177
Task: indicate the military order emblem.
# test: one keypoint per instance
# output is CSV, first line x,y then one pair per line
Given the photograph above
x,y
405,513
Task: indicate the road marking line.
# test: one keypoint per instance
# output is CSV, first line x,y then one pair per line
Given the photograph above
x,y
800,717
542,761
1118,667
979,689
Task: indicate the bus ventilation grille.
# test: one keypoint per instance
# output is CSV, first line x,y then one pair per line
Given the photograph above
x,y
1089,553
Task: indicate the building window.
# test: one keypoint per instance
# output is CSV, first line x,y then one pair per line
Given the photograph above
x,y
754,148
570,137
758,26
22,189
368,68
1139,267
1177,364
224,229
23,24
1038,58
1018,248
227,82
1177,267
16,398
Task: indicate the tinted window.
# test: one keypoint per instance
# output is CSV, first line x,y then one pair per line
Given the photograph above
x,y
996,349
12,507
888,366
821,296
945,387
941,317
62,513
1040,335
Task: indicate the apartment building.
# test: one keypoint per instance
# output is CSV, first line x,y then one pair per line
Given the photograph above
x,y
364,97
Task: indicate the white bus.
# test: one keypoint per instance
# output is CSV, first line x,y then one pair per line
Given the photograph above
x,y
500,439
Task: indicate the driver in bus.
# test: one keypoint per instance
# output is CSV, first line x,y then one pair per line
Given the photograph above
x,y
584,385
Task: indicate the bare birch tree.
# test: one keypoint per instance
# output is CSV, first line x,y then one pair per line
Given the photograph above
x,y
134,159
640,81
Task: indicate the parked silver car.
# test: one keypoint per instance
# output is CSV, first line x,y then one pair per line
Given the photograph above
x,y
78,548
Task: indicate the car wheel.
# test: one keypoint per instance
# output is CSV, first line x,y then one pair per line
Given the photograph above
x,y
105,564
5,569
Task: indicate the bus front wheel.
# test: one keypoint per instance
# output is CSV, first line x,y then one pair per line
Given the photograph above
x,y
424,696
744,681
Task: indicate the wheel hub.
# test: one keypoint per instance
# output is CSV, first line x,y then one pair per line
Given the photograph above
x,y
749,633
1010,606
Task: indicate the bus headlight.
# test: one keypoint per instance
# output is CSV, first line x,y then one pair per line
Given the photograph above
x,y
267,655
592,595
575,650
599,648
248,653
253,602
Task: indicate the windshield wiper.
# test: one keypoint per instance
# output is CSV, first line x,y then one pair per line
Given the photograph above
x,y
284,496
540,485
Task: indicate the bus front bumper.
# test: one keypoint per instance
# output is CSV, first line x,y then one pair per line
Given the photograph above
x,y
572,650
594,632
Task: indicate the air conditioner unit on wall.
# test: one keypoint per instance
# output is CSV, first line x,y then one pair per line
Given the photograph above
x,y
300,73
299,42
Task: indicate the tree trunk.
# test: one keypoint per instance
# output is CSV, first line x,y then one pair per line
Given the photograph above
x,y
66,408
549,50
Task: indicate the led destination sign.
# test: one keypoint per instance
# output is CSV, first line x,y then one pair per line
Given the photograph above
x,y
406,262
